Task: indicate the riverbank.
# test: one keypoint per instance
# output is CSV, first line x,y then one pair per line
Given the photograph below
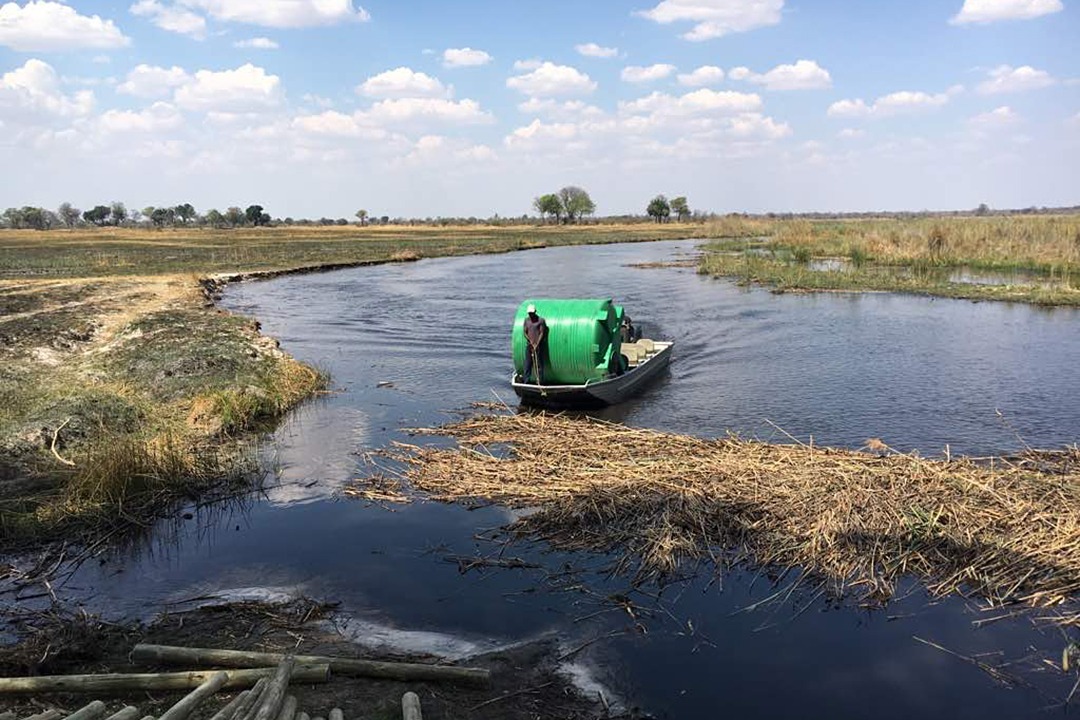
x,y
1028,259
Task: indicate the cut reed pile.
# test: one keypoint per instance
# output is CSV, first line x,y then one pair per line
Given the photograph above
x,y
1008,530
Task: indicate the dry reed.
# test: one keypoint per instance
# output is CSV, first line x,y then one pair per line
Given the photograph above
x,y
1009,530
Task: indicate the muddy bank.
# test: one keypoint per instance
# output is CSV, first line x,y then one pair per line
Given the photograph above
x,y
528,680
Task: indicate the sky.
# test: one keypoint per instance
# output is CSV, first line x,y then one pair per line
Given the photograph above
x,y
425,108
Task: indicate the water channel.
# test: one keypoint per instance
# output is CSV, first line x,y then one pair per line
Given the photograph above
x,y
409,344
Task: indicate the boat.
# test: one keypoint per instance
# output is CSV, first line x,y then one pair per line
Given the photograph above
x,y
586,362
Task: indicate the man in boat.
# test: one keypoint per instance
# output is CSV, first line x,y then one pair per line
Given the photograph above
x,y
627,332
536,331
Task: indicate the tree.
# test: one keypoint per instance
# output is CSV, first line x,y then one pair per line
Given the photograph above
x,y
163,216
185,212
576,203
234,216
680,207
118,213
549,205
99,215
659,208
256,216
68,215
362,215
214,218
983,209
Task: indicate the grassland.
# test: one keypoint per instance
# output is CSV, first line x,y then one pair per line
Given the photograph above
x,y
123,390
1036,258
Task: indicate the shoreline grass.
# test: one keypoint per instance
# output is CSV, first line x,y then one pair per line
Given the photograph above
x,y
913,256
855,521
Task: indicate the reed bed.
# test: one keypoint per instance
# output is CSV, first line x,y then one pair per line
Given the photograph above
x,y
1005,529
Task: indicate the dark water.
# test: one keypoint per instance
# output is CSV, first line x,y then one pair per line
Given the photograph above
x,y
918,373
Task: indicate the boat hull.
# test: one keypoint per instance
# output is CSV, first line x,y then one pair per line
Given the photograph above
x,y
597,394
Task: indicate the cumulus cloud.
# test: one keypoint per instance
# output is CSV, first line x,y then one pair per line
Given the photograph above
x,y
248,88
529,64
550,80
803,75
895,103
851,133
564,110
596,51
1007,79
692,103
402,82
149,81
988,11
158,117
540,131
638,74
1001,117
338,125
172,18
32,93
465,57
716,18
461,112
702,76
44,26
259,43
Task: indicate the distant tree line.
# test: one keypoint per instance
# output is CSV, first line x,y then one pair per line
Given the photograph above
x,y
569,205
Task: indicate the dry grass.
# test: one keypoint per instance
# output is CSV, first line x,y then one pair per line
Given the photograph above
x,y
858,521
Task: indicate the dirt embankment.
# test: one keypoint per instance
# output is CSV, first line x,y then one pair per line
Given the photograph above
x,y
125,392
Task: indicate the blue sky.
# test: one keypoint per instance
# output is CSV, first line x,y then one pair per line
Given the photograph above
x,y
424,108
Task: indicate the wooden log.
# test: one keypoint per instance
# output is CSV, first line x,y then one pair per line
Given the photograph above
x,y
288,709
410,706
241,707
152,681
273,696
203,657
129,713
230,708
149,717
88,712
184,708
53,714
336,714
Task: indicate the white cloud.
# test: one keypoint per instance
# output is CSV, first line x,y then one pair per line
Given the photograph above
x,y
596,51
716,18
461,112
529,64
281,13
159,116
259,43
1007,79
803,75
1001,117
987,11
895,103
402,82
704,75
172,18
549,79
32,93
46,26
638,74
149,81
335,124
755,125
851,133
465,57
693,103
246,89
570,109
538,132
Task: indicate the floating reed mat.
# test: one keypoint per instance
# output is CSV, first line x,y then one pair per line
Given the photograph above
x,y
1008,530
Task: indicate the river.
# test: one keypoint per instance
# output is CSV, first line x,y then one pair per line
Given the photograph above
x,y
410,344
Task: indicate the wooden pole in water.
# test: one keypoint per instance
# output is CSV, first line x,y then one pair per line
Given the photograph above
x,y
410,706
88,712
151,681
129,713
202,657
192,700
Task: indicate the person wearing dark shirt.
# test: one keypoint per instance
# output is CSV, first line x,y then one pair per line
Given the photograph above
x,y
536,331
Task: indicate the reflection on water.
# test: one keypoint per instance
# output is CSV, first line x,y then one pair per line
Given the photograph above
x,y
917,372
